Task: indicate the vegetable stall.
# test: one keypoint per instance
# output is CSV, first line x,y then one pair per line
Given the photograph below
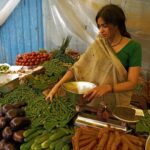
x,y
27,121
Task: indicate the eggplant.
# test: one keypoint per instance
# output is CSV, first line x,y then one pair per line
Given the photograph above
x,y
12,113
3,122
7,133
2,144
7,107
9,146
18,136
20,104
1,113
19,123
1,136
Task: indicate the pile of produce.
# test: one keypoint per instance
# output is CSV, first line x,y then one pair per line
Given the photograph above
x,y
39,138
59,112
54,70
143,125
12,125
39,82
32,58
60,53
72,53
36,109
62,110
4,68
106,138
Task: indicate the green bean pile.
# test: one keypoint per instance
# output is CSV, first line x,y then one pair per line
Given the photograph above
x,y
37,109
60,111
21,93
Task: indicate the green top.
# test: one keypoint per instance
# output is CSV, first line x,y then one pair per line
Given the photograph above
x,y
130,55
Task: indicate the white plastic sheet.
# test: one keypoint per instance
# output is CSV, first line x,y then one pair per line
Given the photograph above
x,y
68,18
6,7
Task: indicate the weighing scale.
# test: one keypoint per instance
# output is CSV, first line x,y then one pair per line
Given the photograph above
x,y
87,115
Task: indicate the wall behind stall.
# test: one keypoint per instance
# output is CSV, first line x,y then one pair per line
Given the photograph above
x,y
22,32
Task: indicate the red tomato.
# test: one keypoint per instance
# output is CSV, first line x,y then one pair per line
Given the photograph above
x,y
44,55
38,56
31,56
37,59
25,60
32,60
31,63
41,54
41,59
27,64
36,63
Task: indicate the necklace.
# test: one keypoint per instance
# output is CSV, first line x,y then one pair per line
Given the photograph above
x,y
117,42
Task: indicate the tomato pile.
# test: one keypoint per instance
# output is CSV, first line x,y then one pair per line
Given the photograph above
x,y
32,58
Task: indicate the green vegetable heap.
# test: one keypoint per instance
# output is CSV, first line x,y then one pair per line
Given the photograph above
x,y
60,53
59,112
144,123
54,69
4,68
62,109
38,138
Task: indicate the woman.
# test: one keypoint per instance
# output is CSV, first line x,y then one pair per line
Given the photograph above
x,y
112,62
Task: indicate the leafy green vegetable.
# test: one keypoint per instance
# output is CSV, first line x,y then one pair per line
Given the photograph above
x,y
144,123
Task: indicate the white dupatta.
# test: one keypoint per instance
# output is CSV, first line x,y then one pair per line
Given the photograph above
x,y
99,65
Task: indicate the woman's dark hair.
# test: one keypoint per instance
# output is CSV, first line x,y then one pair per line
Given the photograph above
x,y
113,14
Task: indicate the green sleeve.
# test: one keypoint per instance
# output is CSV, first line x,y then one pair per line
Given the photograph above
x,y
135,55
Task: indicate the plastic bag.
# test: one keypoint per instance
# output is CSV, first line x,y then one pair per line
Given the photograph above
x,y
6,8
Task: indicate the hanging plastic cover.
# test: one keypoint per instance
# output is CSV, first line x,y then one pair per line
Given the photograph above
x,y
77,18
6,8
69,17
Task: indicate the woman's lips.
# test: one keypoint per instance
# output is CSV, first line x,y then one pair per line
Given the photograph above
x,y
104,35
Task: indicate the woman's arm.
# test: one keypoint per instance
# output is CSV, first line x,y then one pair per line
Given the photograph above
x,y
130,84
133,74
66,77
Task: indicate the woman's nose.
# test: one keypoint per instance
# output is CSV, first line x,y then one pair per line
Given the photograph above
x,y
101,30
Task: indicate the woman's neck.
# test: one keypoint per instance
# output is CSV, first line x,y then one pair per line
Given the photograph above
x,y
116,40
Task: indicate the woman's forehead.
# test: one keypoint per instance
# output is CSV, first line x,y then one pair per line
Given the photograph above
x,y
100,21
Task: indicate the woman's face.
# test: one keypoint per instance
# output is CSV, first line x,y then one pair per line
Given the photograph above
x,y
107,31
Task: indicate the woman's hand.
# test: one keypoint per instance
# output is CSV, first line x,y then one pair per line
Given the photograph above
x,y
52,93
97,92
